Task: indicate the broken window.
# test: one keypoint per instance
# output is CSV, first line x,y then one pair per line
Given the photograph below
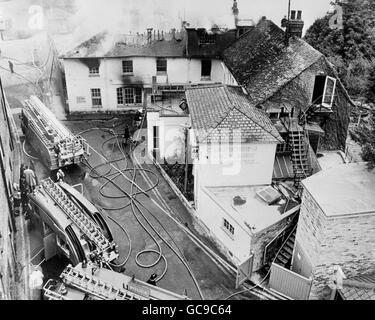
x,y
93,71
228,227
206,38
206,68
324,90
161,65
96,97
127,66
129,95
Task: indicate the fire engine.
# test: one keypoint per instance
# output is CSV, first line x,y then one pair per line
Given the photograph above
x,y
72,225
55,145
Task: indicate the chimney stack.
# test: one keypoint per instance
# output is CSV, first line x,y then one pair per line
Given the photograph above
x,y
235,12
294,26
149,35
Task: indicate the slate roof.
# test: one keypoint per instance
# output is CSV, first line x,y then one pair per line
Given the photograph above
x,y
261,61
359,288
129,45
218,112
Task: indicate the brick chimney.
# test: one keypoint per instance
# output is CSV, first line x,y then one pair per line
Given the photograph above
x,y
295,24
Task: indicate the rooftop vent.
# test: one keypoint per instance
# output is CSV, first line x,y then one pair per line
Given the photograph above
x,y
238,201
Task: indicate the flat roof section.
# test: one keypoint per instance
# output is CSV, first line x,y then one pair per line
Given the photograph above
x,y
255,212
344,189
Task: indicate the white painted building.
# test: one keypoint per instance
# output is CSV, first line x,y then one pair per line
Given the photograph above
x,y
121,73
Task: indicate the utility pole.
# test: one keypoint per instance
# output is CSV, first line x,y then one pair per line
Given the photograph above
x,y
186,160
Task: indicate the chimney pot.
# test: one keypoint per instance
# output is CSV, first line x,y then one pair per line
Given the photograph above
x,y
293,15
299,15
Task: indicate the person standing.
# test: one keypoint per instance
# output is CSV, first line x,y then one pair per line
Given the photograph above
x,y
60,175
30,179
126,135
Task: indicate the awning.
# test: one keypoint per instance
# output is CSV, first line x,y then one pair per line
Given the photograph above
x,y
314,128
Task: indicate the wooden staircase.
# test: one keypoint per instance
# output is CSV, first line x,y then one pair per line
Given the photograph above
x,y
284,258
299,148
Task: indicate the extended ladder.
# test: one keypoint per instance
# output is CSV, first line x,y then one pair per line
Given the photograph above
x,y
88,227
99,288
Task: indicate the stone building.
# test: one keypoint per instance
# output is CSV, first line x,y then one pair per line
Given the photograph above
x,y
336,227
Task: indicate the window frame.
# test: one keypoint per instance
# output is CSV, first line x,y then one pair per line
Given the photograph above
x,y
94,74
158,67
124,67
228,228
328,78
96,95
206,77
129,95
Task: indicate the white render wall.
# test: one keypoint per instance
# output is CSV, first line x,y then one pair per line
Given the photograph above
x,y
212,214
253,167
181,71
171,134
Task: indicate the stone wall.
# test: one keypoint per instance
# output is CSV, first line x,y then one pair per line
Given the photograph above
x,y
261,239
348,243
327,242
335,125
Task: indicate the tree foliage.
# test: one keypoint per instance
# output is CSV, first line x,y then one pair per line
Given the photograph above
x,y
352,49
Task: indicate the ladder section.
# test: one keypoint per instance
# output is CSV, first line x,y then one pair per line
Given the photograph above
x,y
299,155
34,127
87,227
92,285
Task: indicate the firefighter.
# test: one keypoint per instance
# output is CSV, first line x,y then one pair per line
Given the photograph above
x,y
16,198
126,135
60,175
30,179
24,198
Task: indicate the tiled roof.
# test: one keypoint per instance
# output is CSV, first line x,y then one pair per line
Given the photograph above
x,y
262,62
107,45
219,112
359,288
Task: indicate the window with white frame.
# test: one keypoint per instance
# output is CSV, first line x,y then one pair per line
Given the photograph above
x,y
127,66
96,97
120,95
131,95
324,90
94,71
329,91
228,227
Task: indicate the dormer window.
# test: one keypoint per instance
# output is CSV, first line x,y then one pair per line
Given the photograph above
x,y
324,90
